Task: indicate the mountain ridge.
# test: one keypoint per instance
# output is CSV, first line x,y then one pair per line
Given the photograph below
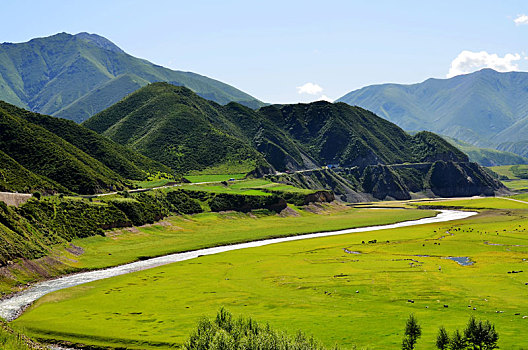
x,y
57,75
160,117
480,108
369,154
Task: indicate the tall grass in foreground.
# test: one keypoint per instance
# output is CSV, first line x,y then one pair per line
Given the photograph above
x,y
226,333
10,340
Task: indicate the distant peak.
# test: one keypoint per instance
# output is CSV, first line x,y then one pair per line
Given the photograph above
x,y
99,41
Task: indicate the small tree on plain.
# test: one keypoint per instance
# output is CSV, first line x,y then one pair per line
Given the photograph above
x,y
457,341
442,339
481,335
413,331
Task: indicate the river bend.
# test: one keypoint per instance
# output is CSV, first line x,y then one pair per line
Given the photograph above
x,y
13,307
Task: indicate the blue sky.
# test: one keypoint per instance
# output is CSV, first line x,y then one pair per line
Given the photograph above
x,y
271,48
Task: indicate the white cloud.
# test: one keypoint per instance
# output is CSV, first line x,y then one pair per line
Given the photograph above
x,y
325,98
468,61
521,19
309,88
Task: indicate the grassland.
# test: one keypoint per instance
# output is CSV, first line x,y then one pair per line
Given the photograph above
x,y
516,185
504,170
11,340
183,233
478,203
510,179
214,177
317,286
522,197
258,187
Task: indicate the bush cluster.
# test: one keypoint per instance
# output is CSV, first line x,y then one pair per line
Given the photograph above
x,y
227,201
478,335
227,333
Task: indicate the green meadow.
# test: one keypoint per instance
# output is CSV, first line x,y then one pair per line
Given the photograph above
x,y
516,185
183,233
214,177
257,187
321,286
505,171
512,176
479,203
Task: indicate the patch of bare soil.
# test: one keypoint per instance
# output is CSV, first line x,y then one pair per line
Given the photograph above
x,y
114,234
288,212
43,267
165,223
75,250
323,208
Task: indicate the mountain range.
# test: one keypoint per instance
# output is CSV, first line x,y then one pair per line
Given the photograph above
x,y
76,76
138,119
369,156
175,126
485,108
162,128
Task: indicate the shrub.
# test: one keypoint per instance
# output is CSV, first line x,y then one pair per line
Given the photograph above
x,y
226,201
182,203
227,333
413,331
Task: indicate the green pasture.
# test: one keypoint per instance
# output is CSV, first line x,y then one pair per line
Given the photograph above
x,y
317,286
9,341
516,185
477,203
184,233
257,187
214,177
522,197
504,170
512,173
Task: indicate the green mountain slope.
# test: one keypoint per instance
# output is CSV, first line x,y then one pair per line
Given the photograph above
x,y
125,162
53,154
483,108
180,129
15,178
46,154
76,76
352,136
520,147
487,156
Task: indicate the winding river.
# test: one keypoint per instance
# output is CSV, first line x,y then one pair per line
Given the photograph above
x,y
13,307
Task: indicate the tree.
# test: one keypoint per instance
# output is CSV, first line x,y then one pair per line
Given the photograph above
x,y
413,331
457,341
481,335
491,336
442,339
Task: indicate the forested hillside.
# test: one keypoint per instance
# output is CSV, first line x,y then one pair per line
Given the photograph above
x,y
51,154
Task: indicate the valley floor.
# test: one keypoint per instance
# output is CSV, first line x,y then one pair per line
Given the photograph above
x,y
339,289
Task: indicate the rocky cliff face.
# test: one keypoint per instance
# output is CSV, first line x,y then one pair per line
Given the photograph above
x,y
449,179
401,182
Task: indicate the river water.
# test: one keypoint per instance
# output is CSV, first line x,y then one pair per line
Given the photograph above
x,y
13,307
